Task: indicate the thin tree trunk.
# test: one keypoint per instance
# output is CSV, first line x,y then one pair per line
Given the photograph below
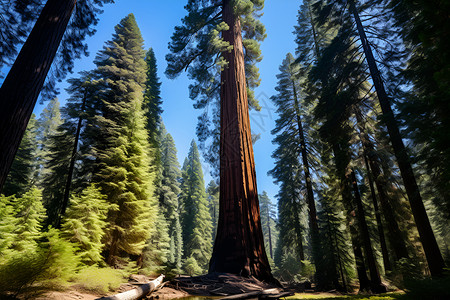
x,y
72,163
384,250
364,282
313,226
395,235
377,286
270,233
239,245
430,246
334,275
24,81
298,231
365,141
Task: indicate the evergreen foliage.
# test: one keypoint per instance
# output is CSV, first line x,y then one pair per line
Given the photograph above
x,y
268,222
123,158
196,220
212,192
22,175
168,194
196,46
84,224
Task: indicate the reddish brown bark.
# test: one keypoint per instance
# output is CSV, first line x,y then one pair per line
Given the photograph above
x,y
239,245
430,246
24,81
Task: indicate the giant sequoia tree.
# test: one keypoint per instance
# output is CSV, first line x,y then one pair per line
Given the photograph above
x,y
197,47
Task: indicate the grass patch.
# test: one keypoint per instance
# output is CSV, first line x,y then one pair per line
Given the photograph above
x,y
99,280
326,296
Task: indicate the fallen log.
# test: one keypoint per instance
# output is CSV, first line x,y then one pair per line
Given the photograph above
x,y
138,292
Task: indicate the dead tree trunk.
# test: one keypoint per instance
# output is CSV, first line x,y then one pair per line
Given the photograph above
x,y
239,245
24,81
430,246
139,292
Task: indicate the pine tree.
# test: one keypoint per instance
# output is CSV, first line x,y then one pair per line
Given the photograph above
x,y
196,220
29,216
26,77
123,159
196,47
168,195
48,122
85,223
152,100
56,156
268,222
157,251
23,170
424,107
344,9
212,191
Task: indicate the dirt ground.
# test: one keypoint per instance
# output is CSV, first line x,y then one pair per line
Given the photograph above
x,y
166,293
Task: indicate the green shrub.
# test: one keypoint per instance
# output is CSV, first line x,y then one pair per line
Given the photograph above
x,y
51,264
99,280
191,267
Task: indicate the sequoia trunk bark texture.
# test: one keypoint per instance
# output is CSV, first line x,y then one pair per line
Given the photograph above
x,y
239,245
24,81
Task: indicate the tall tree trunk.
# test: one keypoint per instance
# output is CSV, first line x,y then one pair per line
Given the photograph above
x,y
270,233
364,282
239,245
24,81
298,231
395,235
313,226
332,269
365,143
377,286
384,250
72,164
430,246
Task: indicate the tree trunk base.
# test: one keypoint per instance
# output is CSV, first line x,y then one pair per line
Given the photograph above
x,y
223,284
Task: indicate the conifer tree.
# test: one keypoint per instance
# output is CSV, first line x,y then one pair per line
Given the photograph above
x,y
152,100
268,222
168,194
26,77
23,170
197,48
29,216
84,224
156,254
212,192
48,122
196,220
343,10
424,31
123,159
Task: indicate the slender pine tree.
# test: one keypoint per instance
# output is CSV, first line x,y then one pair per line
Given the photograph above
x,y
123,159
196,220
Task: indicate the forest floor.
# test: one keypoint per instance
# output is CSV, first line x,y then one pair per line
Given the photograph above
x,y
198,288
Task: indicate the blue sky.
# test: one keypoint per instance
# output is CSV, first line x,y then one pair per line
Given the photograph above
x,y
156,19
